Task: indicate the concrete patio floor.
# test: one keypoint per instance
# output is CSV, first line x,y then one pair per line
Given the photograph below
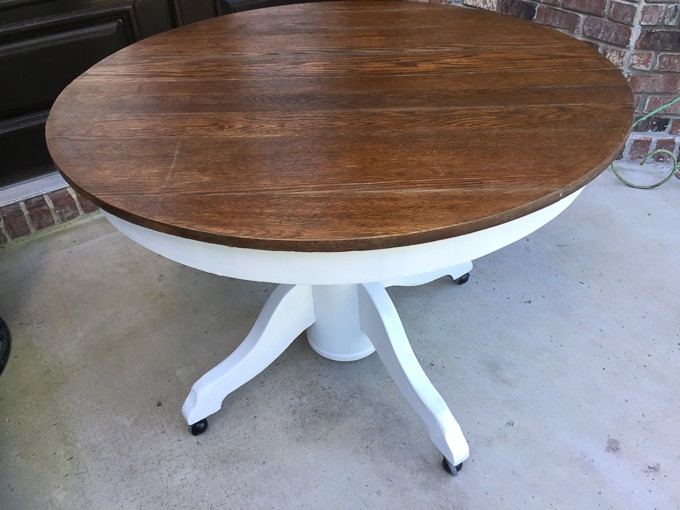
x,y
560,359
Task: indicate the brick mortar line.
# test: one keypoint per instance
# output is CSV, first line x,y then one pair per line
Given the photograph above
x,y
27,217
4,230
635,32
75,199
53,210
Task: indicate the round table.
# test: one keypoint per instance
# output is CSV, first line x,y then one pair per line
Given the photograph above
x,y
336,149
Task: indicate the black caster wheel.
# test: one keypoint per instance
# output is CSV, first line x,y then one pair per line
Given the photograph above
x,y
452,470
463,279
199,427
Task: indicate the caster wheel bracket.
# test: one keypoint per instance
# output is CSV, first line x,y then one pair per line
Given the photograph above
x,y
199,427
449,468
463,279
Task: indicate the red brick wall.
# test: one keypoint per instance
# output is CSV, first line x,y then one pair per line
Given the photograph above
x,y
642,37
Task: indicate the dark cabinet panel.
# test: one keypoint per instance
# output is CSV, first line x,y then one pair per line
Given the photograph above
x,y
23,152
41,68
249,5
190,11
44,45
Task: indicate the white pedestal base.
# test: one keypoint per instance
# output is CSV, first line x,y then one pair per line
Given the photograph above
x,y
344,320
336,333
343,323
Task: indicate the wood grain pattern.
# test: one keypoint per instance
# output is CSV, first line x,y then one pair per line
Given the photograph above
x,y
340,126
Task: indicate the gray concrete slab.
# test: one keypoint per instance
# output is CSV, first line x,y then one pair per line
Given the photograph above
x,y
559,358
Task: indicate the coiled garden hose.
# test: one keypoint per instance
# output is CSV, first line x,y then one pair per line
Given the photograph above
x,y
672,156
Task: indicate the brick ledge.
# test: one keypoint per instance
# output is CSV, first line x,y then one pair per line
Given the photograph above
x,y
42,212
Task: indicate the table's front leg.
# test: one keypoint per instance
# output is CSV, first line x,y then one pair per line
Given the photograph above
x,y
380,321
286,314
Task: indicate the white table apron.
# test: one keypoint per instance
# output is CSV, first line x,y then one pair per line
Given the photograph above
x,y
339,298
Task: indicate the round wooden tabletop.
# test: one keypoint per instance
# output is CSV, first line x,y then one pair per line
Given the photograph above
x,y
340,126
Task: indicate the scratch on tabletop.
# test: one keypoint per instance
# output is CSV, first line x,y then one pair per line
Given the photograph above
x,y
168,177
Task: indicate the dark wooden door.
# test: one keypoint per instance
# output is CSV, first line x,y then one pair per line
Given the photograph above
x,y
46,44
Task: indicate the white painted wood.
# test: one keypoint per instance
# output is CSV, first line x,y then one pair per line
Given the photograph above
x,y
286,314
329,268
336,333
380,321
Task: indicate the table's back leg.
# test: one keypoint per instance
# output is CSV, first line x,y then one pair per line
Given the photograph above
x,y
458,273
381,322
285,315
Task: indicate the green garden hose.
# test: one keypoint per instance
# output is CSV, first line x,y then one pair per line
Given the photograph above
x,y
657,151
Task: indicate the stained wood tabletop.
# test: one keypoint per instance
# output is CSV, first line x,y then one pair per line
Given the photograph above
x,y
340,126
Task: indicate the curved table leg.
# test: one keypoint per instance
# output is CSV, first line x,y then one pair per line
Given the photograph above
x,y
380,321
286,314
